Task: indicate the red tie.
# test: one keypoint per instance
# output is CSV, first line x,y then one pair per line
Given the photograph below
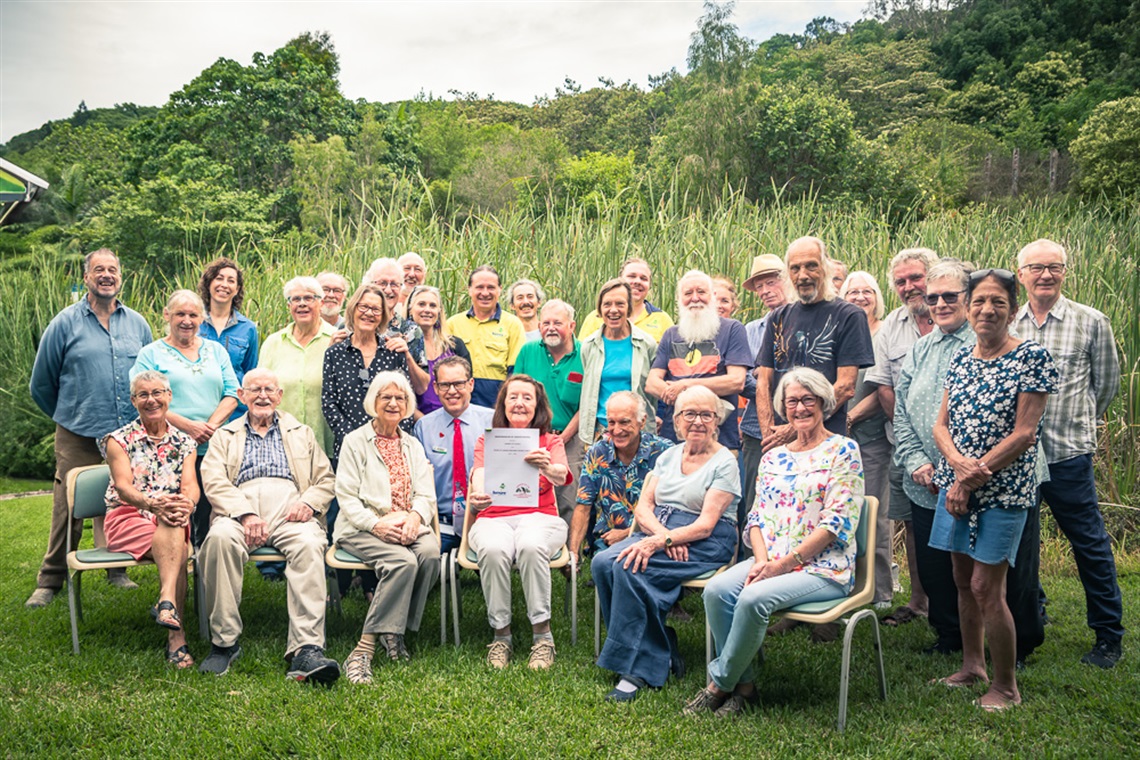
x,y
458,471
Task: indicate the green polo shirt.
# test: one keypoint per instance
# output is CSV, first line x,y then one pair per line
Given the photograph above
x,y
562,381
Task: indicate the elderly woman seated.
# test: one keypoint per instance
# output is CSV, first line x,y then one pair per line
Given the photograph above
x,y
151,496
387,499
802,534
686,526
528,536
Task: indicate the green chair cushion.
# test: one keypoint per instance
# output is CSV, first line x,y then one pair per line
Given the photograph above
x,y
262,551
92,556
817,608
344,556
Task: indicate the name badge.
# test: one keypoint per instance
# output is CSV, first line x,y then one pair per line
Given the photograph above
x,y
363,374
438,450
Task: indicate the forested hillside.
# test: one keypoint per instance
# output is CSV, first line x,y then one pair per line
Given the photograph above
x,y
920,107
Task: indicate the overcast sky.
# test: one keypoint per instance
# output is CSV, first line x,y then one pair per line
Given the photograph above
x,y
53,53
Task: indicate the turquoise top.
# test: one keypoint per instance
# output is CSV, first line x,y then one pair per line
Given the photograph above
x,y
615,372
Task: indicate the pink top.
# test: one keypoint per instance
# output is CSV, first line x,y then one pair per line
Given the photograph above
x,y
546,505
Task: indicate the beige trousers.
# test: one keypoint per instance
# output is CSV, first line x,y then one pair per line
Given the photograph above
x,y
71,451
527,540
405,575
224,553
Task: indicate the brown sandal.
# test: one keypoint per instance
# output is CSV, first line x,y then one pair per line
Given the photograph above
x,y
180,658
171,620
901,616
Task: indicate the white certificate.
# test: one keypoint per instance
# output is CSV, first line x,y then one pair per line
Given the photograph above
x,y
510,481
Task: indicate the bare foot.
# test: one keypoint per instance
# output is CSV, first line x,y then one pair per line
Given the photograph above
x,y
962,678
995,701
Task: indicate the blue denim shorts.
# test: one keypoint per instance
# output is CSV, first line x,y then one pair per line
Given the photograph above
x,y
999,533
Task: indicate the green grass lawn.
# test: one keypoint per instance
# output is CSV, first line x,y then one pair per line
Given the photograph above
x,y
20,485
118,699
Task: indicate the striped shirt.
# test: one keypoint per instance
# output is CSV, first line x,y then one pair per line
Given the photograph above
x,y
264,456
1079,338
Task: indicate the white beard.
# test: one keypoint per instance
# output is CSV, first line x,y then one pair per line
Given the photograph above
x,y
698,325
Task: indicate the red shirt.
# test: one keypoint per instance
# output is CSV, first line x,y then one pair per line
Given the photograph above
x,y
546,505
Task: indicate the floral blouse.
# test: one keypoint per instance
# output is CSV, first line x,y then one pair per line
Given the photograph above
x,y
799,491
156,465
399,475
982,405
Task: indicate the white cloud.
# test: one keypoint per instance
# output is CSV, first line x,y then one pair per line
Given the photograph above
x,y
55,54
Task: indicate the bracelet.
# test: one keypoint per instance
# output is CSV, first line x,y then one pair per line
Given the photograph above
x,y
799,557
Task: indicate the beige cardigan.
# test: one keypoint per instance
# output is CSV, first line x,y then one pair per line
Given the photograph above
x,y
308,465
363,488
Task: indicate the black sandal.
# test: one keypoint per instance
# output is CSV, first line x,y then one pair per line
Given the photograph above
x,y
180,658
166,606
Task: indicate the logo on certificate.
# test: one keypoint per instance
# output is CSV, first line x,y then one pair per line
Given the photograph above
x,y
521,490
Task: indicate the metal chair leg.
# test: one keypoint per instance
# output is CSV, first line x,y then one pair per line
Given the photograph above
x,y
597,626
72,581
573,603
453,563
443,599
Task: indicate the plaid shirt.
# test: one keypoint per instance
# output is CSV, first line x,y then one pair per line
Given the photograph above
x,y
263,457
1080,340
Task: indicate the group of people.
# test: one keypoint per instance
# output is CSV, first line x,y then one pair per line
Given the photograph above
x,y
665,450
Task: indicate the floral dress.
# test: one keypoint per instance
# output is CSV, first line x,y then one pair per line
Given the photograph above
x,y
982,406
799,491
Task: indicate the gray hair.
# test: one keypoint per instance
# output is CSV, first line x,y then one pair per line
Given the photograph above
x,y
344,283
310,284
185,295
696,393
261,372
628,397
539,293
950,269
382,381
693,274
826,287
377,265
924,256
813,382
411,256
149,376
558,303
101,252
879,308
1023,253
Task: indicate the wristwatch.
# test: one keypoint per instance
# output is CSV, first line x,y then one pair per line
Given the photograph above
x,y
668,540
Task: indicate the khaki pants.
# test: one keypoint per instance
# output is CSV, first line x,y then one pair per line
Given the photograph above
x,y
567,495
71,451
405,575
528,540
224,554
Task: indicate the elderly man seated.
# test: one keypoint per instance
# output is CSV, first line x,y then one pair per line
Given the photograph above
x,y
613,473
268,481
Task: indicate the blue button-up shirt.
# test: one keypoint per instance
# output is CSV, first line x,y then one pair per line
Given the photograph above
x,y
749,422
81,376
436,432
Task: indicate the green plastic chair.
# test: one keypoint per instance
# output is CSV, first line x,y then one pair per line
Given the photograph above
x,y
86,489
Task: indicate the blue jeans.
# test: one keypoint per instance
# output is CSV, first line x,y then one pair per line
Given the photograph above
x,y
634,605
739,615
1071,494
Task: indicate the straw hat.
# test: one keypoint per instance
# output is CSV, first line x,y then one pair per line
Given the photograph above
x,y
763,266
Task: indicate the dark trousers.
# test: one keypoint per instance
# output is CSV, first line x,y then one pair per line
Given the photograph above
x,y
751,451
1021,583
1071,494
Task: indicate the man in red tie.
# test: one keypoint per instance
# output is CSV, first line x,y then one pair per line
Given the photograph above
x,y
448,436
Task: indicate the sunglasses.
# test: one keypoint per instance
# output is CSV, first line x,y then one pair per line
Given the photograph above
x,y
1003,275
950,297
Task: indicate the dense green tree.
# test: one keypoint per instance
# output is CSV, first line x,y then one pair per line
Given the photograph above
x,y
717,51
1107,149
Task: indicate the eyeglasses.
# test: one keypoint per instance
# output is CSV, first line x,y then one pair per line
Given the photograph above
x,y
148,395
807,402
1054,269
1003,275
301,299
387,283
950,297
865,292
374,310
452,385
268,390
337,291
691,415
400,399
